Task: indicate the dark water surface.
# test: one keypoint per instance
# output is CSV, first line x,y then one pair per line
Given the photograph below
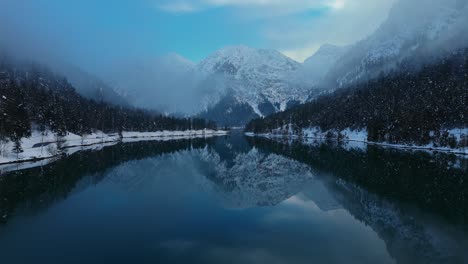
x,y
237,200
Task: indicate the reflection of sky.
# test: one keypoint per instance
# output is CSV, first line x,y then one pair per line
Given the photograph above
x,y
325,236
162,210
321,197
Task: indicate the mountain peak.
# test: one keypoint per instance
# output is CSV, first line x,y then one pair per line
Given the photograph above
x,y
231,59
253,78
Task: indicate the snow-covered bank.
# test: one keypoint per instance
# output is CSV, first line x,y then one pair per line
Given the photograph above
x,y
349,135
47,145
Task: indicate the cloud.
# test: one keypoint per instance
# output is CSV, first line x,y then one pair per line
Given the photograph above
x,y
178,7
297,27
346,24
337,4
291,6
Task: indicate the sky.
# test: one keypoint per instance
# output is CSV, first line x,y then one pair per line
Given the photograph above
x,y
93,33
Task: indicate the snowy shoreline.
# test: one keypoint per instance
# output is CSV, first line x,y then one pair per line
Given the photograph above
x,y
42,147
361,137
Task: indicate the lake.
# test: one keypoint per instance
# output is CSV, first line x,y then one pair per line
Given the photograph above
x,y
235,199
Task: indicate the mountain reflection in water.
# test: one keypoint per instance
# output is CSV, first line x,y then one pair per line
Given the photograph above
x,y
237,200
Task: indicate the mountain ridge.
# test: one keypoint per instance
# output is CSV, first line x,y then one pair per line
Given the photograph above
x,y
408,32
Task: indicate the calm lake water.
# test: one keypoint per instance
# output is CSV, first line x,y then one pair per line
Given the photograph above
x,y
237,200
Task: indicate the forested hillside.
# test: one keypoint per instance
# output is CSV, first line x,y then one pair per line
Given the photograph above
x,y
411,105
33,98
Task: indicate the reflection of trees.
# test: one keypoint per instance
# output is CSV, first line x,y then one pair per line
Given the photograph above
x,y
39,187
409,236
272,172
430,181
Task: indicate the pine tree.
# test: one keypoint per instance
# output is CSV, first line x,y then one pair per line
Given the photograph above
x,y
16,122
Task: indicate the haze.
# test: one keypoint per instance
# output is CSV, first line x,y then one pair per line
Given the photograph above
x,y
127,43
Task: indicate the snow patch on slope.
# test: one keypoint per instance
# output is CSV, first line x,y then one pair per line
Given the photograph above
x,y
254,76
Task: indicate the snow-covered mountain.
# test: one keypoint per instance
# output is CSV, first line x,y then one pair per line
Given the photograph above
x,y
238,83
417,29
231,86
255,83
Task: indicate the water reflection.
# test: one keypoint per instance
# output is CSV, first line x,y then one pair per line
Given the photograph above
x,y
416,203
434,181
39,187
232,200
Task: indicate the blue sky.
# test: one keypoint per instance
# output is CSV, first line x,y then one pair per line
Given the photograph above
x,y
92,31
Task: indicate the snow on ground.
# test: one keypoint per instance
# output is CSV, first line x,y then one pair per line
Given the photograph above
x,y
349,135
38,162
458,132
42,146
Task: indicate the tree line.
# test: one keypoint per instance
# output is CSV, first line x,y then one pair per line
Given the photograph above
x,y
34,98
413,104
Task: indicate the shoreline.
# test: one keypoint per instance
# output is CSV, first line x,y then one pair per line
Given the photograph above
x,y
381,144
95,141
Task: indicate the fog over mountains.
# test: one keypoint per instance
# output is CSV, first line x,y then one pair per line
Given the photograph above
x,y
418,29
231,86
163,83
252,77
238,83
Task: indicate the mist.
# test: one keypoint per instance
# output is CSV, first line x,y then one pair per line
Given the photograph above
x,y
132,57
167,83
128,59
